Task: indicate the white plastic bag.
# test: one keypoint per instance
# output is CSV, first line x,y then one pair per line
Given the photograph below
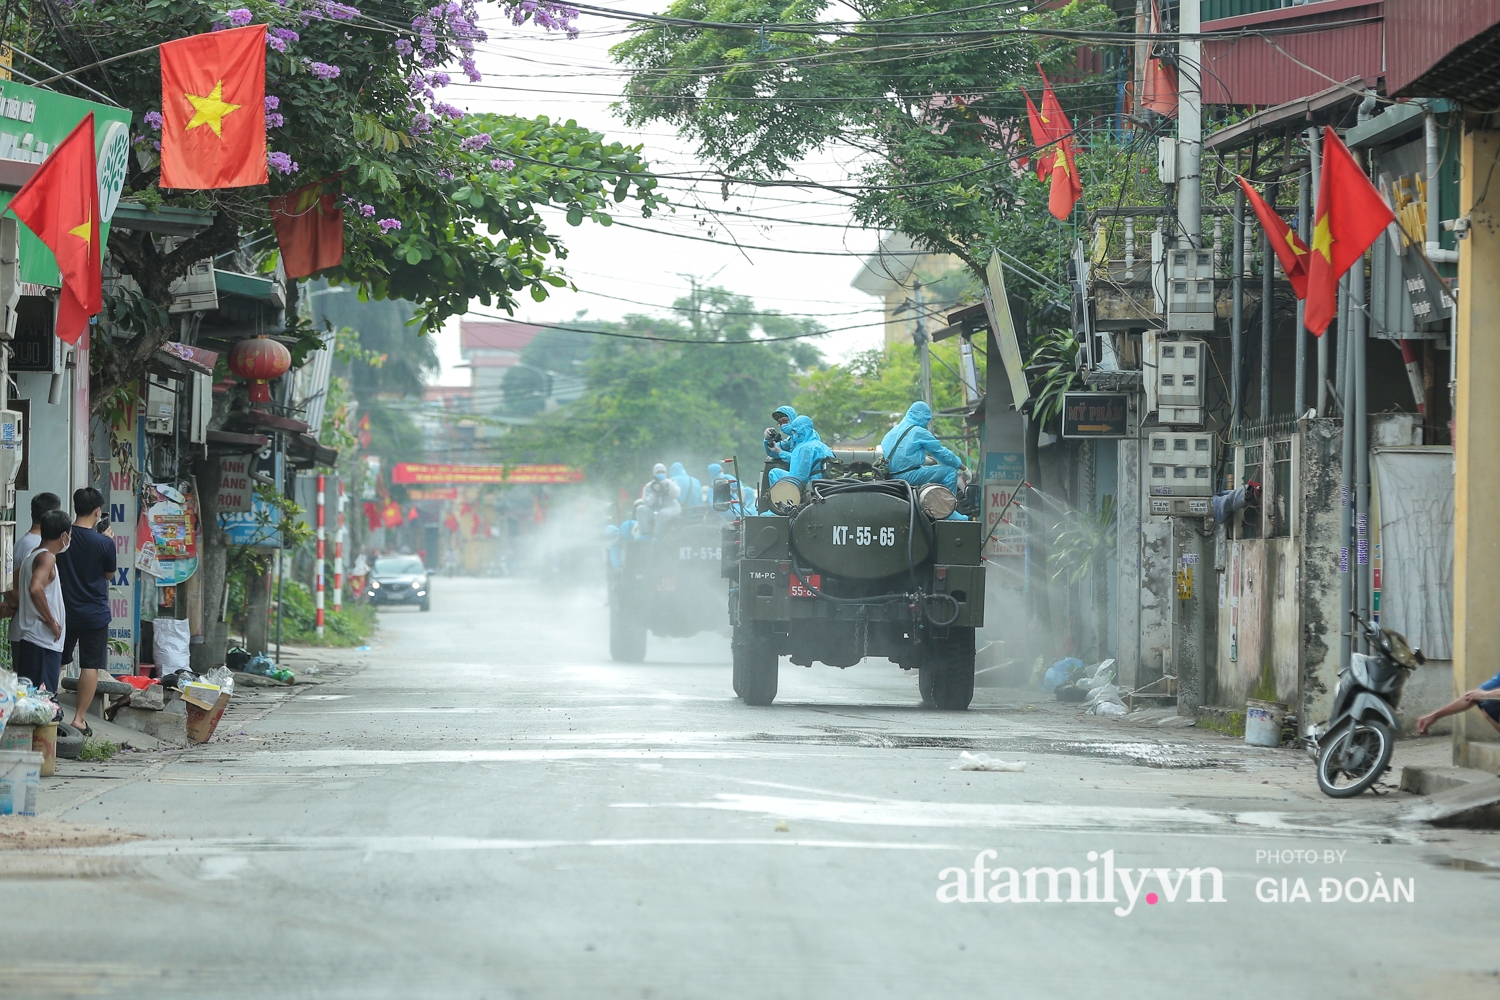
x,y
222,676
984,762
8,685
171,644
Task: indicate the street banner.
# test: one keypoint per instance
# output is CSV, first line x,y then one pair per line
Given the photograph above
x,y
420,474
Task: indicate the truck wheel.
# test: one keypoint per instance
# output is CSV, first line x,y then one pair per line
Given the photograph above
x,y
627,636
946,678
756,667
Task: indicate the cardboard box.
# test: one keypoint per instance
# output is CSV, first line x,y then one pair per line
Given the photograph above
x,y
203,716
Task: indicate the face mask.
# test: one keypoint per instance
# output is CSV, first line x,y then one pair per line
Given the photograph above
x,y
661,477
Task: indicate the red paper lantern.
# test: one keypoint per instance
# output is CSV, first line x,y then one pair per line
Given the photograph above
x,y
260,361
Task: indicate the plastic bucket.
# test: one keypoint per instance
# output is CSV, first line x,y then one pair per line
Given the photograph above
x,y
16,737
1263,720
20,780
44,742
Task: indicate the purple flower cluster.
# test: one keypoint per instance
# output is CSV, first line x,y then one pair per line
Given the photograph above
x,y
470,70
323,71
152,119
474,143
281,163
437,80
447,110
368,211
279,38
272,102
240,17
445,175
402,46
544,14
340,11
274,120
502,164
421,123
386,225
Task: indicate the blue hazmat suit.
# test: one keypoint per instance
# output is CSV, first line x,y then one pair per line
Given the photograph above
x,y
743,496
907,445
780,452
807,453
690,490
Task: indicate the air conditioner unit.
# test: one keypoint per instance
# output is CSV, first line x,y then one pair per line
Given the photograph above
x,y
161,407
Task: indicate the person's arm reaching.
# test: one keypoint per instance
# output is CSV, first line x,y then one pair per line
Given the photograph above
x,y
929,444
43,569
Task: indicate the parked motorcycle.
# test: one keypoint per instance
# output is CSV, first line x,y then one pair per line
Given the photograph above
x,y
1354,749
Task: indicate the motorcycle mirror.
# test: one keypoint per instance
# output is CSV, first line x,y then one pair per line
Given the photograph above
x,y
723,494
1418,656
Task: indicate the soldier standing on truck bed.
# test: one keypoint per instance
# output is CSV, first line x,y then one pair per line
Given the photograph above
x,y
907,445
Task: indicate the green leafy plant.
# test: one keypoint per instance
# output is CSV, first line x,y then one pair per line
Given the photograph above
x,y
1056,355
95,748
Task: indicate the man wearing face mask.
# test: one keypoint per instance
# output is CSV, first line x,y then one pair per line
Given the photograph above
x,y
806,452
907,445
85,567
660,499
777,449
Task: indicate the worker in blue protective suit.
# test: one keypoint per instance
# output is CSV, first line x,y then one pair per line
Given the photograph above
x,y
907,445
690,491
807,453
779,450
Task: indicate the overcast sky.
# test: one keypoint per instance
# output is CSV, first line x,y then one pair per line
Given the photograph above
x,y
531,72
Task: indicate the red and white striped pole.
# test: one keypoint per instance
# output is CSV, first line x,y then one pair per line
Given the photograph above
x,y
338,554
318,568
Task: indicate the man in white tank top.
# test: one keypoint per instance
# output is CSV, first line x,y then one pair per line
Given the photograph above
x,y
38,627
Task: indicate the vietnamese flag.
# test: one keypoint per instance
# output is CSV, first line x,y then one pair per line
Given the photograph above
x,y
213,95
309,226
1066,188
1041,138
1290,249
1351,216
60,204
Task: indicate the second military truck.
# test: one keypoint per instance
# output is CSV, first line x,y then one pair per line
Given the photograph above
x,y
855,567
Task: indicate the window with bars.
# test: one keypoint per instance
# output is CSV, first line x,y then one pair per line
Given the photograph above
x,y
1252,470
1279,493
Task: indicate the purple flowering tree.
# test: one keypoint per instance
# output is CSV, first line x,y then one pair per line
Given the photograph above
x,y
442,207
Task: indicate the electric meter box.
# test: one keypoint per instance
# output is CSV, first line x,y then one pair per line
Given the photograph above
x,y
1190,290
161,407
1179,381
11,450
1181,466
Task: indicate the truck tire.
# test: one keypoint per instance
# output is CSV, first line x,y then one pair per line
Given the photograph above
x,y
946,677
756,667
627,635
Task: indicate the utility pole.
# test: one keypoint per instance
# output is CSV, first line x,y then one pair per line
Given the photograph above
x,y
1189,126
924,346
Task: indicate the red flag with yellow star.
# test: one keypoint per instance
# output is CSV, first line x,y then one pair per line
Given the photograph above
x,y
213,94
1290,249
1066,188
60,204
1041,137
1351,216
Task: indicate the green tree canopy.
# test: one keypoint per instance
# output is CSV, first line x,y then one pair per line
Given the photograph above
x,y
441,207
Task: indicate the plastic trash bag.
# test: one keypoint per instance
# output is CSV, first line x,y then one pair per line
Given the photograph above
x,y
260,664
223,677
1057,674
984,762
170,644
8,684
1109,708
33,710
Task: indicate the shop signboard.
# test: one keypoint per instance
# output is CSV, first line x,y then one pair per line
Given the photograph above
x,y
32,122
126,443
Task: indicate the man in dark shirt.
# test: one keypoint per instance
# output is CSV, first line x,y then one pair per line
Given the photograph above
x,y
86,567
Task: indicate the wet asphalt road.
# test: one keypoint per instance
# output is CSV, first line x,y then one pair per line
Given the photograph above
x,y
489,808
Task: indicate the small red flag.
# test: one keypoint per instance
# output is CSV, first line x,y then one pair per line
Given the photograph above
x,y
309,227
1041,137
60,204
1351,216
1290,249
1066,187
1159,88
213,97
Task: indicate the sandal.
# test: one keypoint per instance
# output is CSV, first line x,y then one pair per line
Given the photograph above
x,y
85,729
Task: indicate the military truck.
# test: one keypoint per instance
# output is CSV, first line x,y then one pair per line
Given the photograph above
x,y
668,584
855,566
